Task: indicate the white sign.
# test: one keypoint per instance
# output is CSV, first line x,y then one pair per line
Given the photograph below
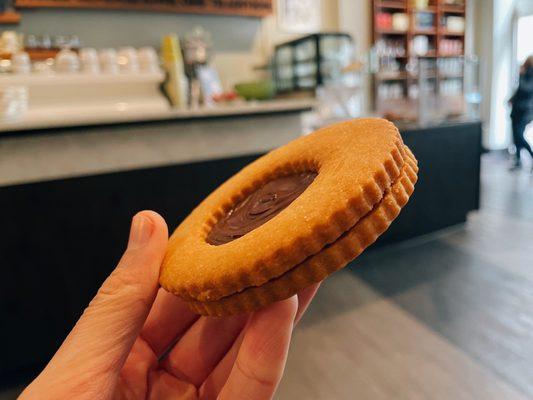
x,y
299,16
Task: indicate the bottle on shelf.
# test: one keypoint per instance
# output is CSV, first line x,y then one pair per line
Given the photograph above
x,y
176,84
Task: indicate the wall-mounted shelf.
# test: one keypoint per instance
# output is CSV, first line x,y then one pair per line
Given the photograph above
x,y
9,18
430,9
445,32
247,8
452,9
391,76
57,80
393,5
390,32
35,54
428,31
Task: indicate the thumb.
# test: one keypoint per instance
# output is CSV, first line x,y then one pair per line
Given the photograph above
x,y
105,333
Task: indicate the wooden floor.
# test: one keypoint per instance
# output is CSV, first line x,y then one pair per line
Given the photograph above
x,y
444,317
447,317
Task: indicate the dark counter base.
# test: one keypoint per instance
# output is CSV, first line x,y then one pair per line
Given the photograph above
x,y
60,239
448,180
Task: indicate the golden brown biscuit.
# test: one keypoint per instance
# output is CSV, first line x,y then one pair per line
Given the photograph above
x,y
290,218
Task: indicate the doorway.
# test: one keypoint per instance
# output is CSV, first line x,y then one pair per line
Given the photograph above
x,y
524,48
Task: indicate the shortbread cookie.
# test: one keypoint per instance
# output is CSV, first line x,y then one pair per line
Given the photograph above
x,y
290,218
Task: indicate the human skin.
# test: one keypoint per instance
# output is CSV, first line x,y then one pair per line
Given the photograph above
x,y
137,341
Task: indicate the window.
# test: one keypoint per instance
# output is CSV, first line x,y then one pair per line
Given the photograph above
x,y
524,33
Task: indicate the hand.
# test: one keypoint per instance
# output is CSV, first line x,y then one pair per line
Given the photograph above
x,y
136,341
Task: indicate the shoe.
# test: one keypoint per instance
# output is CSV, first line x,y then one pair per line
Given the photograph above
x,y
515,167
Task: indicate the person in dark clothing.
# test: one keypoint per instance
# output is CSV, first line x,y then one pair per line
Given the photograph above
x,y
522,109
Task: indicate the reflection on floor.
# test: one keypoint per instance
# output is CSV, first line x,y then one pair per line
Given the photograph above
x,y
448,317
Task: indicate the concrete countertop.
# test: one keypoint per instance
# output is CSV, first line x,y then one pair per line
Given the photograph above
x,y
57,117
179,137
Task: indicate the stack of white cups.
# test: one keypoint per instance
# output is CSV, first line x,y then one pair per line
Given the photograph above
x,y
108,61
21,63
67,61
148,60
128,60
89,60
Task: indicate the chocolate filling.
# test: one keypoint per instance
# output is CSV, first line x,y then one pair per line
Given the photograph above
x,y
259,207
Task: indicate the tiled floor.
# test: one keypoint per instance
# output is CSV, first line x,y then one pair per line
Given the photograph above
x,y
447,317
443,317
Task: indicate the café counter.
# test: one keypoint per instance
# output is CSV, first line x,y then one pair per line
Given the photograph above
x,y
68,190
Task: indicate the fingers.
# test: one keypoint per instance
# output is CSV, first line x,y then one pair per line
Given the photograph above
x,y
305,297
263,353
104,335
170,312
164,386
132,382
202,347
218,377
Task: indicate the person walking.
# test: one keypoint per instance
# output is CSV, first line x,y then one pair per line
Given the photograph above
x,y
522,110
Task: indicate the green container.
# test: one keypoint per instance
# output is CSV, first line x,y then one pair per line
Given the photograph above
x,y
259,90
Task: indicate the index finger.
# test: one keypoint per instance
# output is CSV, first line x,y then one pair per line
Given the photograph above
x,y
168,319
261,359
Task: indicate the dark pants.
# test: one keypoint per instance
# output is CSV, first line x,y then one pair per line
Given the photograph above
x,y
519,127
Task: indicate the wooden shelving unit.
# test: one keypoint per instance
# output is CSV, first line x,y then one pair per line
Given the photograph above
x,y
457,9
438,35
444,32
393,5
35,54
390,32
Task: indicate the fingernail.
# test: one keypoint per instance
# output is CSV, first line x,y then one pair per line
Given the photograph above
x,y
141,231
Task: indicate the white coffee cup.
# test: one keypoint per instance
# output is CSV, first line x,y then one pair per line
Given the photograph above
x,y
89,60
43,68
67,61
420,45
21,63
148,59
128,60
108,61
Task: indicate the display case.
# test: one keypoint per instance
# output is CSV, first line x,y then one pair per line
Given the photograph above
x,y
311,61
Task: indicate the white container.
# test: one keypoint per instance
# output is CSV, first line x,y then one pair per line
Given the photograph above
x,y
89,60
420,45
400,22
148,59
21,63
455,24
62,95
108,61
43,68
128,60
67,62
421,4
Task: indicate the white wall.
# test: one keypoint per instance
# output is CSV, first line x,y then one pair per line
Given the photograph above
x,y
355,18
502,73
494,43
